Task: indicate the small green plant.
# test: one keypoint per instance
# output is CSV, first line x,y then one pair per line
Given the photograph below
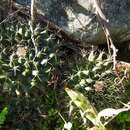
x,y
123,117
93,75
20,67
26,77
122,121
3,115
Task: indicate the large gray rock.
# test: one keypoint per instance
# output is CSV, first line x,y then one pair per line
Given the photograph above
x,y
24,2
77,18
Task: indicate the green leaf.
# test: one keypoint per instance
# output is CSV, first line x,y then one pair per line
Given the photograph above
x,y
83,103
3,114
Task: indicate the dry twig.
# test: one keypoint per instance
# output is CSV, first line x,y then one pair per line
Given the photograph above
x,y
32,24
104,23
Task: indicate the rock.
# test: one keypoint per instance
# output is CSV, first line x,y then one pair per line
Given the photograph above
x,y
24,2
4,9
77,18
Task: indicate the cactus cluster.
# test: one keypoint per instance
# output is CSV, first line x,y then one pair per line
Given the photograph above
x,y
94,76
